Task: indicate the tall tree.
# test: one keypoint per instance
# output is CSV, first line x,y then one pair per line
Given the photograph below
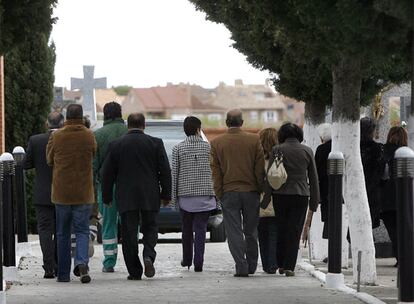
x,y
20,19
29,78
354,41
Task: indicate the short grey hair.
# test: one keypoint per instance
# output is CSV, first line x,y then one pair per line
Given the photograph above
x,y
325,131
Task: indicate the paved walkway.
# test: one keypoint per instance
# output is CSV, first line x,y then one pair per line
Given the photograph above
x,y
172,283
386,289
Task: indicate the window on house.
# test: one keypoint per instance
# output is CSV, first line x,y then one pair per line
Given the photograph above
x,y
259,95
214,116
270,116
254,116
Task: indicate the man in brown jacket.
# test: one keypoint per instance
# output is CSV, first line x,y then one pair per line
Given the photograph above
x,y
70,151
237,164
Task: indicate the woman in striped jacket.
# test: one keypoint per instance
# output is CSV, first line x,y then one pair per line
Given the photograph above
x,y
192,190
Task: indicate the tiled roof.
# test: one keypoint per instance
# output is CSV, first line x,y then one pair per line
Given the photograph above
x,y
103,96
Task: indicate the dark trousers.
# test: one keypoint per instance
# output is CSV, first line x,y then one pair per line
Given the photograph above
x,y
267,231
129,227
241,217
46,227
290,213
194,227
390,221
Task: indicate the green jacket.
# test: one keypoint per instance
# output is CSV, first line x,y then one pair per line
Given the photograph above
x,y
111,130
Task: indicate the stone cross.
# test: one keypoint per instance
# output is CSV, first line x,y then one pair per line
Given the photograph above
x,y
88,85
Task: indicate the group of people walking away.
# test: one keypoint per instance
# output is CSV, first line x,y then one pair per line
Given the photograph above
x,y
128,174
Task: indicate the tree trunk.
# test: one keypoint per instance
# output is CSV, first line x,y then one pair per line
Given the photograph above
x,y
314,116
346,139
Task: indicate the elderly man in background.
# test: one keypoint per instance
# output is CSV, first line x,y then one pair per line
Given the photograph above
x,y
70,151
45,210
237,163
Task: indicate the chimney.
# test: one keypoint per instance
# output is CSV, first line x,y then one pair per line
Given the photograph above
x,y
238,83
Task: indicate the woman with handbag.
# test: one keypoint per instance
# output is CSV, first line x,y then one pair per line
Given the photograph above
x,y
267,230
192,189
293,194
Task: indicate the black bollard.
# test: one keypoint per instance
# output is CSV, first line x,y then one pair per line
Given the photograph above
x,y
9,246
334,278
1,226
403,175
20,195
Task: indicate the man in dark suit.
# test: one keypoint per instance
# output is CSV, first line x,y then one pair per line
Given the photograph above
x,y
138,165
45,210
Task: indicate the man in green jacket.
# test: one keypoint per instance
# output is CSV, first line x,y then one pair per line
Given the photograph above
x,y
113,128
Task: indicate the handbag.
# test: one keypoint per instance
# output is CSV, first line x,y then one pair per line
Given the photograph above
x,y
277,175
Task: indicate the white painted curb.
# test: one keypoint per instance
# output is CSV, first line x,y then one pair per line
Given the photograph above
x,y
335,280
364,297
2,297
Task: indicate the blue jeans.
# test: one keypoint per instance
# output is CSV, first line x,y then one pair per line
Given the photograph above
x,y
68,217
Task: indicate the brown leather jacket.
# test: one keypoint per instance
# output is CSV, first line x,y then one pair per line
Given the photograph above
x,y
70,151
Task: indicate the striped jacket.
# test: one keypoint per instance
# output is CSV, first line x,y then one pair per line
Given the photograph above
x,y
191,172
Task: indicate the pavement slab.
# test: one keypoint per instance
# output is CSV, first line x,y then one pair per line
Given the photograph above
x,y
172,283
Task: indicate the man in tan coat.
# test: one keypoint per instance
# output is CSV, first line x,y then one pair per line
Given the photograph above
x,y
70,151
237,163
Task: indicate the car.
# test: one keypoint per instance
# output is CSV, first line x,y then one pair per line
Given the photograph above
x,y
169,218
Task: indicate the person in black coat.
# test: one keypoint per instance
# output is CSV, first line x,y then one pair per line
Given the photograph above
x,y
138,165
45,210
373,164
321,160
397,137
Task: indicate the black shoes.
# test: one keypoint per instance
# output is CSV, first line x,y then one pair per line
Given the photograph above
x,y
198,268
49,274
241,275
83,273
149,267
185,265
62,280
108,269
132,278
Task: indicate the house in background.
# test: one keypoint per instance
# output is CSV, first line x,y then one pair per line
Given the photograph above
x,y
103,96
172,102
260,105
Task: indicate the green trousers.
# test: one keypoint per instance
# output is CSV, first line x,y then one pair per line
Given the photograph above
x,y
110,219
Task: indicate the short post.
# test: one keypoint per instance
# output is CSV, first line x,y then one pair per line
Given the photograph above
x,y
403,172
2,291
335,278
20,195
9,249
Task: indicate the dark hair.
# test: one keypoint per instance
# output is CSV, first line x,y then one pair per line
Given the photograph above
x,y
398,136
87,122
136,120
234,118
367,129
55,120
112,110
289,130
191,125
74,111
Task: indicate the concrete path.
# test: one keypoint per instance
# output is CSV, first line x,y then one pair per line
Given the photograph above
x,y
171,284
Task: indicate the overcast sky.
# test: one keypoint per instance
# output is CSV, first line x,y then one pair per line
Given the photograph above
x,y
145,43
